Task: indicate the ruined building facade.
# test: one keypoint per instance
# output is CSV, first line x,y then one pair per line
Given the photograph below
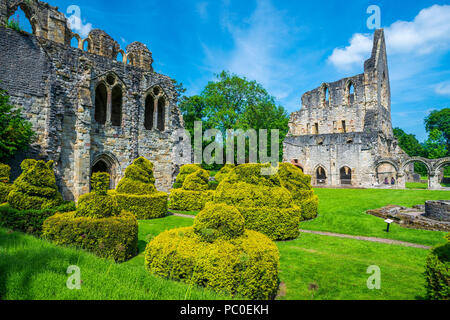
x,y
343,135
90,112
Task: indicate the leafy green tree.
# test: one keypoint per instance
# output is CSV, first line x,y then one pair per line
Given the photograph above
x,y
440,120
436,145
409,143
15,132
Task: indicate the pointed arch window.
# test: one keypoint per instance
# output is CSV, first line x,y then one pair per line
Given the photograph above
x,y
109,101
155,110
116,107
149,112
161,114
101,101
351,93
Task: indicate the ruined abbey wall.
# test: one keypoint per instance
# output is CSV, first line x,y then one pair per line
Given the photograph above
x,y
90,111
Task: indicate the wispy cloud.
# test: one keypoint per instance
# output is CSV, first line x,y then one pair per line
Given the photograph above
x,y
202,10
443,88
75,22
428,33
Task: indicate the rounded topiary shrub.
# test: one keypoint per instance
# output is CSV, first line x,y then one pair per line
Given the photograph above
x,y
299,185
223,173
185,170
266,205
97,225
217,253
5,186
194,194
35,188
137,193
437,272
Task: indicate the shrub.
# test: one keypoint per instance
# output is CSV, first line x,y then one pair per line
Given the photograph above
x,y
299,185
266,205
136,192
194,193
5,186
111,238
217,253
35,188
29,221
223,173
212,185
437,273
186,170
97,225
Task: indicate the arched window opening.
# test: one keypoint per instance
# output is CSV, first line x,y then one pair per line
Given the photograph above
x,y
101,100
19,22
417,175
130,59
351,93
74,42
327,95
116,107
444,175
120,57
321,176
161,114
149,112
346,176
86,45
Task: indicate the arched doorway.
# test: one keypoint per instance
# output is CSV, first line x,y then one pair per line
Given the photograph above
x,y
321,176
346,176
417,173
443,173
387,174
107,163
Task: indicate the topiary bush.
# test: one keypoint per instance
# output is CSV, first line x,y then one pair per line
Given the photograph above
x,y
185,170
217,253
5,186
136,192
97,225
437,272
222,174
35,188
194,194
299,185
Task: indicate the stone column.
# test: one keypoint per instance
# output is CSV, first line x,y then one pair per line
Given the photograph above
x,y
433,181
108,106
401,181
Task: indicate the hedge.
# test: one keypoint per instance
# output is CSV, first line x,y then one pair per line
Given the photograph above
x,y
29,221
223,173
113,238
437,273
35,188
185,200
136,192
186,170
226,259
5,186
266,205
97,225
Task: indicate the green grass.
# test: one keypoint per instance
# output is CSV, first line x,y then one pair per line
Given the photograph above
x,y
344,211
416,185
189,213
33,269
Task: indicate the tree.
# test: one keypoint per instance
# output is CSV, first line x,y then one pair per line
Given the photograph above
x,y
15,132
440,120
435,146
409,143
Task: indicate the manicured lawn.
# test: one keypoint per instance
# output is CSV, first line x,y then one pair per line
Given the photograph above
x,y
416,185
344,211
33,269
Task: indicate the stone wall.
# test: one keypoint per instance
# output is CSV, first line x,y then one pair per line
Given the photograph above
x,y
56,85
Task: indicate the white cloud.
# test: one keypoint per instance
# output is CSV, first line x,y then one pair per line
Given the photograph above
x,y
428,33
443,89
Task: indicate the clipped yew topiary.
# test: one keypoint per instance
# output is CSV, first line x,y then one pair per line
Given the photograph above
x,y
299,185
437,272
264,201
223,173
5,186
217,253
136,192
194,194
185,170
35,188
98,225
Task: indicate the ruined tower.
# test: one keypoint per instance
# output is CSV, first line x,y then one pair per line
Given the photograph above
x,y
344,128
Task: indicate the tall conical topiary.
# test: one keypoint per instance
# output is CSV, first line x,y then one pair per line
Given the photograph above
x,y
185,170
5,186
137,193
218,253
36,187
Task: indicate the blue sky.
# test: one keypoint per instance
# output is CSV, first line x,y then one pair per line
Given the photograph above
x,y
288,46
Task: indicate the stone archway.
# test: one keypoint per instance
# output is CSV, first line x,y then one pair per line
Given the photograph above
x,y
409,162
387,172
109,164
439,180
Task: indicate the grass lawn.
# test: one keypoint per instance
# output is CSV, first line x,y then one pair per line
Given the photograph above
x,y
416,185
33,269
344,211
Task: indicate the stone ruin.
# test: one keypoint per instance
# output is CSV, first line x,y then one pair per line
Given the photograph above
x,y
343,135
434,215
90,111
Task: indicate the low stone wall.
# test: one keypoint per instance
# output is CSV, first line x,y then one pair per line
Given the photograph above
x,y
438,210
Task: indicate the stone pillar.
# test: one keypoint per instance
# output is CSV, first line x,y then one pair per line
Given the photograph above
x,y
401,181
108,106
433,181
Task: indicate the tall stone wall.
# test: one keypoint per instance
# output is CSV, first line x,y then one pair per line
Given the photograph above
x,y
56,85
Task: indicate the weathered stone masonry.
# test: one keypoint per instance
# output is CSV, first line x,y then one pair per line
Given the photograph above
x,y
343,134
90,111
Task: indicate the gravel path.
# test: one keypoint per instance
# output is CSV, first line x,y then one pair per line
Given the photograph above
x,y
346,236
